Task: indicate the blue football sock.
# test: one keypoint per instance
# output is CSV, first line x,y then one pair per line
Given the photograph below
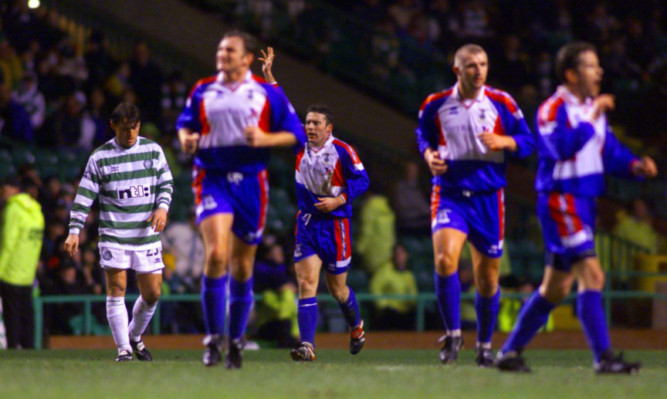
x,y
240,302
532,317
307,318
448,293
213,301
592,318
487,314
351,310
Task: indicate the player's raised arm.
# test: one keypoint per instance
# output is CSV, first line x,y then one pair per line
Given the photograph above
x,y
267,65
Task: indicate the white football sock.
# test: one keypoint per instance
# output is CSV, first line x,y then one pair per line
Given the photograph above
x,y
142,313
117,317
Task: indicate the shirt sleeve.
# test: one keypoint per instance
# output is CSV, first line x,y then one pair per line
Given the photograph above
x,y
616,157
165,184
355,175
189,117
427,132
283,117
10,236
89,188
516,126
557,140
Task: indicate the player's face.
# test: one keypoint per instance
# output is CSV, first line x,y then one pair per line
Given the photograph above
x,y
126,135
472,71
231,55
589,74
318,129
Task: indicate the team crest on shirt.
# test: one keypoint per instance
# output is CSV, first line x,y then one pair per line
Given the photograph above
x,y
107,255
453,110
482,113
148,163
326,159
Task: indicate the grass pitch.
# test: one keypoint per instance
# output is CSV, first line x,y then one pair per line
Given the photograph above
x,y
270,373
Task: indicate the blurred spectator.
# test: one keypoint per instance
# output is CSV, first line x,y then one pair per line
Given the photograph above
x,y
377,232
14,119
510,307
31,99
276,312
119,81
183,241
403,11
146,80
394,278
10,63
70,126
99,62
635,225
174,95
98,114
20,246
413,213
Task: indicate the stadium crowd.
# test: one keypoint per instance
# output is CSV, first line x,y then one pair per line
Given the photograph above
x,y
56,96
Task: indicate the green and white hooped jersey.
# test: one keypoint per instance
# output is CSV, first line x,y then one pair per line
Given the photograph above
x,y
131,184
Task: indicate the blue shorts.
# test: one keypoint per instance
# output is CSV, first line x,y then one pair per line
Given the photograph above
x,y
481,216
568,228
246,196
328,238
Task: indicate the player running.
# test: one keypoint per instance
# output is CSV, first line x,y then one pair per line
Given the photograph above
x,y
575,149
465,134
229,122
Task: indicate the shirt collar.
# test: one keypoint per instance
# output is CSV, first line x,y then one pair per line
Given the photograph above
x,y
120,147
246,78
325,145
457,94
570,98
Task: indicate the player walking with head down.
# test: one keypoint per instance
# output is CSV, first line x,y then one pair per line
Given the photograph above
x,y
465,134
329,176
131,176
575,148
229,122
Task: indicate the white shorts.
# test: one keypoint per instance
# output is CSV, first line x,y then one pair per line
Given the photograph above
x,y
141,261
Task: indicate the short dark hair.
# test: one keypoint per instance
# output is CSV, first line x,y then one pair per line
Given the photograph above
x,y
321,109
568,57
249,41
126,114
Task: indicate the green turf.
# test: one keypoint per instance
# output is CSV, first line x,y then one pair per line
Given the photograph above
x,y
270,373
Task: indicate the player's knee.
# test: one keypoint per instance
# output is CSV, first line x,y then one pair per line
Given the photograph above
x,y
594,280
216,257
340,294
445,263
555,293
152,297
487,286
307,285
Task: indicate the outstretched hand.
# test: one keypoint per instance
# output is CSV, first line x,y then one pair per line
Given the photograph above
x,y
267,63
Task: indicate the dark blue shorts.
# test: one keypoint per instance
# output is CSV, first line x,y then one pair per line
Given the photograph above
x,y
328,238
481,216
246,196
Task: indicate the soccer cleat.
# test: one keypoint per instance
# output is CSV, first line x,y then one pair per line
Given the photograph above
x,y
511,361
213,351
140,351
450,350
610,364
484,357
357,338
303,353
124,356
233,358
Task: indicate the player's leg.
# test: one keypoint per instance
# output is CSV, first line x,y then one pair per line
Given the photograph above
x,y
486,220
241,297
116,282
447,246
590,282
487,303
150,288
556,285
307,269
216,234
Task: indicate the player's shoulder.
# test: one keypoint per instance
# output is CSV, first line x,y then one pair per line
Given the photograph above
x,y
202,83
99,151
343,147
502,97
549,109
437,98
